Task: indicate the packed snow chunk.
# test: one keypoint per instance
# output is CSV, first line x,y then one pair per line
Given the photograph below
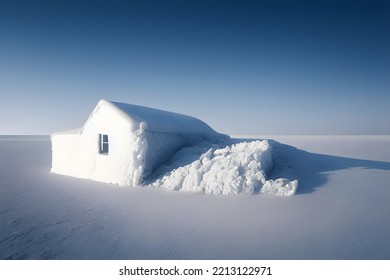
x,y
235,168
280,187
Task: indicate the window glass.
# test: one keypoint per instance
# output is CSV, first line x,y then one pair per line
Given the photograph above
x,y
103,144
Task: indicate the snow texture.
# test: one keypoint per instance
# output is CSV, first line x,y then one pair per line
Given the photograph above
x,y
281,187
230,167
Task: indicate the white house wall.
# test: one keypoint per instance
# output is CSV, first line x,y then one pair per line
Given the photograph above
x,y
64,152
78,155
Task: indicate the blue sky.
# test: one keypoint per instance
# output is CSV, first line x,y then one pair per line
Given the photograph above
x,y
244,67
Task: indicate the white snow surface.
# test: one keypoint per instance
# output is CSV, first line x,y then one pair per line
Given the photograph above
x,y
341,209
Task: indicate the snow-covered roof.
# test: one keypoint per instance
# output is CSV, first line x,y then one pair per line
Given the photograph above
x,y
152,120
158,120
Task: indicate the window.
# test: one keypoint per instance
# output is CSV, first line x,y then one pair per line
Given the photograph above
x,y
103,144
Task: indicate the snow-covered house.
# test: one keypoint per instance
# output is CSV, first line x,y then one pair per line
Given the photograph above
x,y
123,144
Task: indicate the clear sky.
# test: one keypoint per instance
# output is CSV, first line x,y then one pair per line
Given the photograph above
x,y
244,67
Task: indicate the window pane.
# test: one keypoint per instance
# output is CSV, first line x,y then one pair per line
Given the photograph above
x,y
105,148
103,144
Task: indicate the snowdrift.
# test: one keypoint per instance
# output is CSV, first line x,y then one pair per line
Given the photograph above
x,y
228,167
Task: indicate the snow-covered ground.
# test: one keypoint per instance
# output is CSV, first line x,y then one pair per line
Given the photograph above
x,y
341,209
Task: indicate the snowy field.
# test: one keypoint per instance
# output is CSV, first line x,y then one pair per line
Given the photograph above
x,y
341,209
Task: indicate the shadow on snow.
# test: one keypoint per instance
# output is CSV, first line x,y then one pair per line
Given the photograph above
x,y
313,170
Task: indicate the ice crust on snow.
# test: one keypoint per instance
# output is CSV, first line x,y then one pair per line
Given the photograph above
x,y
161,149
225,168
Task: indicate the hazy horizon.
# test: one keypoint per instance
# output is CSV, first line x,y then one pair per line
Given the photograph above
x,y
243,67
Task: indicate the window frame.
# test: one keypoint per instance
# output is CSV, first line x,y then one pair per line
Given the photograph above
x,y
104,146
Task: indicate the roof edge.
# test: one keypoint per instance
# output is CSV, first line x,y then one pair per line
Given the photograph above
x,y
111,105
71,131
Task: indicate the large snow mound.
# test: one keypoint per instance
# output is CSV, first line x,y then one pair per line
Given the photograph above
x,y
224,168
